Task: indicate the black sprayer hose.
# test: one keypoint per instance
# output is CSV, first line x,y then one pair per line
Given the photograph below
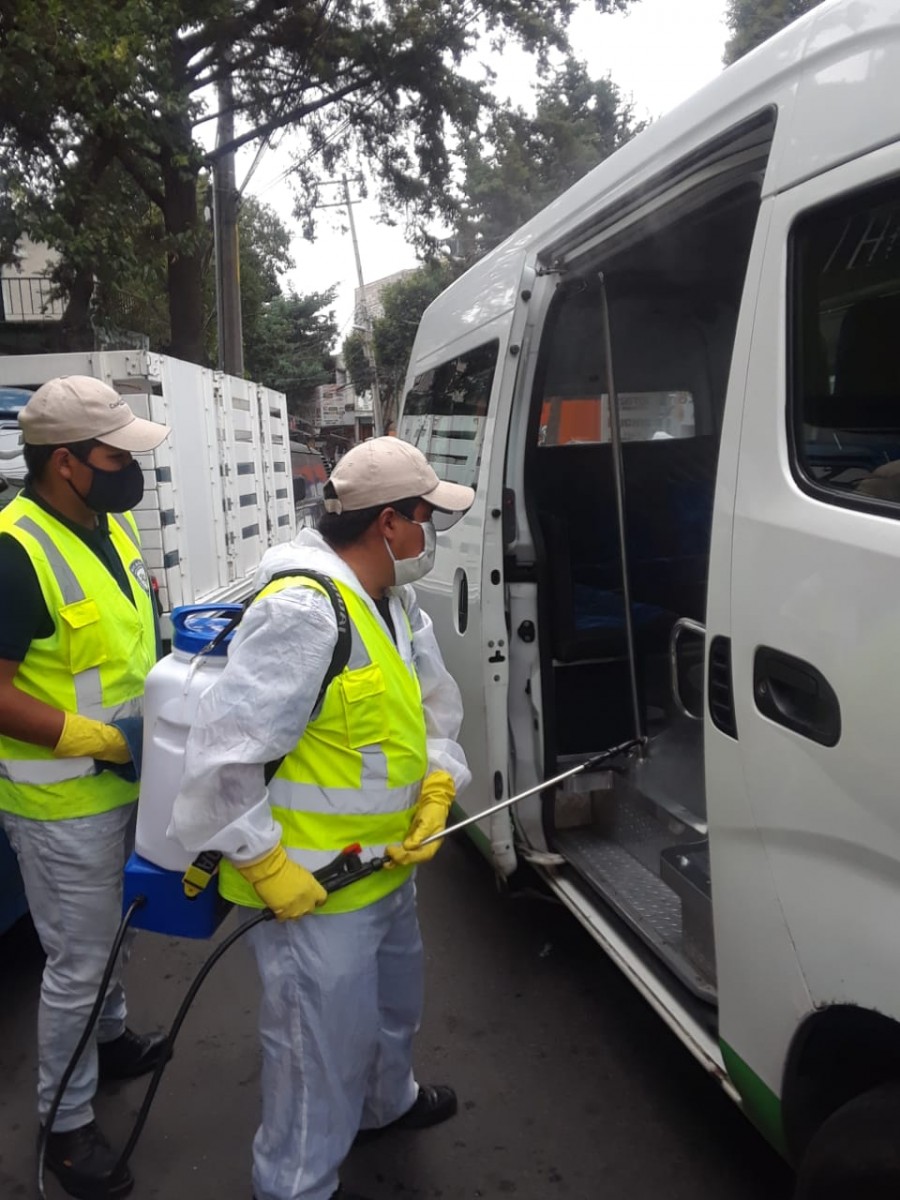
x,y
186,1003
165,1056
138,902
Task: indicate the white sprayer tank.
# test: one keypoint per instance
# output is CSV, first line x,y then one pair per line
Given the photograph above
x,y
171,695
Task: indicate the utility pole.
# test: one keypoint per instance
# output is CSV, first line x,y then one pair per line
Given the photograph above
x,y
368,344
225,234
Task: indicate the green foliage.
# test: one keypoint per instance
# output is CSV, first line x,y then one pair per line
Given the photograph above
x,y
523,162
356,361
393,333
753,21
92,92
512,170
287,338
289,345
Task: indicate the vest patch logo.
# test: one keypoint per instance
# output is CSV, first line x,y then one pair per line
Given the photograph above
x,y
139,571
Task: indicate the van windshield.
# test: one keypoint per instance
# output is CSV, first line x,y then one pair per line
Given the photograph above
x,y
445,413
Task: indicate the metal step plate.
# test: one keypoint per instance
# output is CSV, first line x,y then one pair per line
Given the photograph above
x,y
640,898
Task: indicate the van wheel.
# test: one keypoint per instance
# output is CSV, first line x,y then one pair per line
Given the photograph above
x,y
856,1151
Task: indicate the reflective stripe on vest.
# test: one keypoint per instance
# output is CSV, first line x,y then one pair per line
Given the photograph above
x,y
94,663
355,774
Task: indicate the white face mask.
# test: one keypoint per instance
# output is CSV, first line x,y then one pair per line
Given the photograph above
x,y
408,570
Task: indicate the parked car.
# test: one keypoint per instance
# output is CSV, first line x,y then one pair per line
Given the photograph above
x,y
309,476
12,462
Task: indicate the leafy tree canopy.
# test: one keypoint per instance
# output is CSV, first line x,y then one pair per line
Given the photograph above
x,y
287,337
289,346
512,170
394,331
523,162
89,88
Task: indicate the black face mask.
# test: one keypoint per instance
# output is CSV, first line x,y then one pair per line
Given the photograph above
x,y
113,491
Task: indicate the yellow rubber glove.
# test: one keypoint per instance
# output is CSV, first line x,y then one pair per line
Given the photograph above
x,y
429,817
288,889
82,737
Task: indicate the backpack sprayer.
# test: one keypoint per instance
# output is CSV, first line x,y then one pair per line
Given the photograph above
x,y
341,872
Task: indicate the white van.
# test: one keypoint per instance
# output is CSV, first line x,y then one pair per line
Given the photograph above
x,y
677,393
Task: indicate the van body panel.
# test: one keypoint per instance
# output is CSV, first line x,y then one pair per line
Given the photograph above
x,y
473,304
818,581
846,103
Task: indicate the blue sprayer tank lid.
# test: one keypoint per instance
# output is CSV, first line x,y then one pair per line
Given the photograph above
x,y
195,625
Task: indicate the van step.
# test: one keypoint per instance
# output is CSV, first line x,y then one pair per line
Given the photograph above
x,y
645,903
686,870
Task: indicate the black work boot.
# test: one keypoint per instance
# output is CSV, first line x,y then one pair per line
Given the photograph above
x,y
433,1104
130,1055
83,1161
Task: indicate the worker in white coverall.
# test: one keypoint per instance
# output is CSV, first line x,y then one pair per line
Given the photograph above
x,y
375,761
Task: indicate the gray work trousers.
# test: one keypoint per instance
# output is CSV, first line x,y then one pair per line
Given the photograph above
x,y
72,870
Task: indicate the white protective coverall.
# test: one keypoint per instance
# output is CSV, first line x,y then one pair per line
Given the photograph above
x,y
342,993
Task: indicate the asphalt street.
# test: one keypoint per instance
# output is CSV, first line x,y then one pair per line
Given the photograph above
x,y
570,1086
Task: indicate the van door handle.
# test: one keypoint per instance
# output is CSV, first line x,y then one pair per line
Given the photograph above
x,y
795,694
461,594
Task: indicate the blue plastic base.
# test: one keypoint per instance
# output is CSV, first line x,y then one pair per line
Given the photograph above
x,y
167,909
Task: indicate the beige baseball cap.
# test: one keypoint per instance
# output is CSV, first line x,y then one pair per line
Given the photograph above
x,y
74,408
385,469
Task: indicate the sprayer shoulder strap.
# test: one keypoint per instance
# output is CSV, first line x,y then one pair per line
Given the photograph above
x,y
341,654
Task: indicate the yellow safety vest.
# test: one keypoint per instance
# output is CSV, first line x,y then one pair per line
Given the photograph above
x,y
94,663
355,774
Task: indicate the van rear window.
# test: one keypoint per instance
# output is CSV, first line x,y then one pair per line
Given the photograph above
x,y
846,350
445,413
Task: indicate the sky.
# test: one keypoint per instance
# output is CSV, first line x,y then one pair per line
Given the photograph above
x,y
658,54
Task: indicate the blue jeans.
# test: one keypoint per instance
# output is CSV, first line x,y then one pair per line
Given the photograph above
x,y
72,871
342,1000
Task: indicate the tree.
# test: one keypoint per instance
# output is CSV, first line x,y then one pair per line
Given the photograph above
x,y
357,361
753,21
394,331
512,170
523,162
289,347
88,87
287,337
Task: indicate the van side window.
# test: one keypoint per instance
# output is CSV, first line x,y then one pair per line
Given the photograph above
x,y
445,412
846,350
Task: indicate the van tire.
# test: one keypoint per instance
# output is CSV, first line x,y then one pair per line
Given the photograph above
x,y
856,1151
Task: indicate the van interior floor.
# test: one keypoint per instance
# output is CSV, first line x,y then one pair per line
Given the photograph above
x,y
649,861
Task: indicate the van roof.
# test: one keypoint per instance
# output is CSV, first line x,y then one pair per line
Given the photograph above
x,y
831,77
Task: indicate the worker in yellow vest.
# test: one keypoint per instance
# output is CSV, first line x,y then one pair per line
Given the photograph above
x,y
77,638
376,762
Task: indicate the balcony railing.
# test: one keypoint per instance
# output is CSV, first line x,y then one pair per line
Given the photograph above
x,y
29,298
